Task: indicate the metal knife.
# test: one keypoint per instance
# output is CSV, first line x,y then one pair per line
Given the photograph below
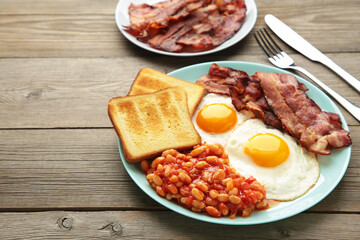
x,y
304,47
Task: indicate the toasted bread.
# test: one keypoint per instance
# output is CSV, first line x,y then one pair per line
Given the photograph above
x,y
149,80
148,124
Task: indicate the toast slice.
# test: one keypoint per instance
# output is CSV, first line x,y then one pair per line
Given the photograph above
x,y
149,80
148,124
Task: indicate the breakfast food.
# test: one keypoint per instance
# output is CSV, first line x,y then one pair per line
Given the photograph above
x,y
253,138
186,25
274,158
203,181
149,80
316,130
148,124
216,117
280,101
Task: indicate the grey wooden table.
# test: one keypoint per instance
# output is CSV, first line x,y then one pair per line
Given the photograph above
x,y
60,172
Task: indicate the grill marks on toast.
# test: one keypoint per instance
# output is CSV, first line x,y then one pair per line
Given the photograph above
x,y
151,123
149,81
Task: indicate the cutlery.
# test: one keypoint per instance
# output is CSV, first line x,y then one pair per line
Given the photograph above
x,y
281,60
293,39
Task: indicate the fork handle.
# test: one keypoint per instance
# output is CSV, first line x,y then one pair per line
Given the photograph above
x,y
351,108
354,82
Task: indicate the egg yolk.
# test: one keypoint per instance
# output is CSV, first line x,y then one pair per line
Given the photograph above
x,y
216,118
267,150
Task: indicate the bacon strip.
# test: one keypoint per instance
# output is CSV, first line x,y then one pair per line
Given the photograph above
x,y
245,91
280,101
186,25
316,130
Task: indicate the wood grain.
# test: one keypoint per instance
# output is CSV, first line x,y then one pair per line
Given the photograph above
x,y
61,176
169,225
86,29
54,92
81,169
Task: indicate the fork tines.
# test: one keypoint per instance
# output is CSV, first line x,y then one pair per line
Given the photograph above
x,y
267,43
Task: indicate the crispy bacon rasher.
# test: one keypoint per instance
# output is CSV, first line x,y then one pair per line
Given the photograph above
x,y
186,25
280,101
316,130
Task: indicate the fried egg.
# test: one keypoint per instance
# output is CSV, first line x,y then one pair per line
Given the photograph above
x,y
275,159
216,117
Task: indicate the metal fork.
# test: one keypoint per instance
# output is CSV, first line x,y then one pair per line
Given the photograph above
x,y
281,60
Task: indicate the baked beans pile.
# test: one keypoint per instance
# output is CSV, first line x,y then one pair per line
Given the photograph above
x,y
203,181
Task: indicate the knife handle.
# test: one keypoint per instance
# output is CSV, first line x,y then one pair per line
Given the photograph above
x,y
351,108
354,82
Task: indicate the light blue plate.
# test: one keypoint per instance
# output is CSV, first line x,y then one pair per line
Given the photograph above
x,y
332,167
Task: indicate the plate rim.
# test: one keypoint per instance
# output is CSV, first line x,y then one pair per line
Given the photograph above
x,y
187,213
221,47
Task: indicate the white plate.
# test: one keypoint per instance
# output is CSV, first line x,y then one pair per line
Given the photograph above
x,y
122,19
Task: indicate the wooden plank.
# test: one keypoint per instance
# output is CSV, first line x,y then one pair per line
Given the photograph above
x,y
81,169
87,28
168,225
53,92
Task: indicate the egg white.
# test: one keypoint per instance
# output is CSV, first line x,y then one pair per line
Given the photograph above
x,y
218,137
285,182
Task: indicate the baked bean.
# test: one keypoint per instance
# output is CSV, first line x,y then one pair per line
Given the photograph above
x,y
202,186
194,209
213,194
224,209
167,171
157,180
150,177
145,166
197,194
160,167
157,161
197,151
205,176
234,191
177,196
174,179
225,181
229,185
215,148
246,212
168,196
184,191
223,197
234,199
181,156
170,159
185,178
220,174
212,159
224,160
210,201
201,164
160,191
183,200
188,164
212,211
172,188
262,205
198,204
171,152
179,184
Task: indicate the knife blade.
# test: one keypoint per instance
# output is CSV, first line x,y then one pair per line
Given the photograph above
x,y
297,42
